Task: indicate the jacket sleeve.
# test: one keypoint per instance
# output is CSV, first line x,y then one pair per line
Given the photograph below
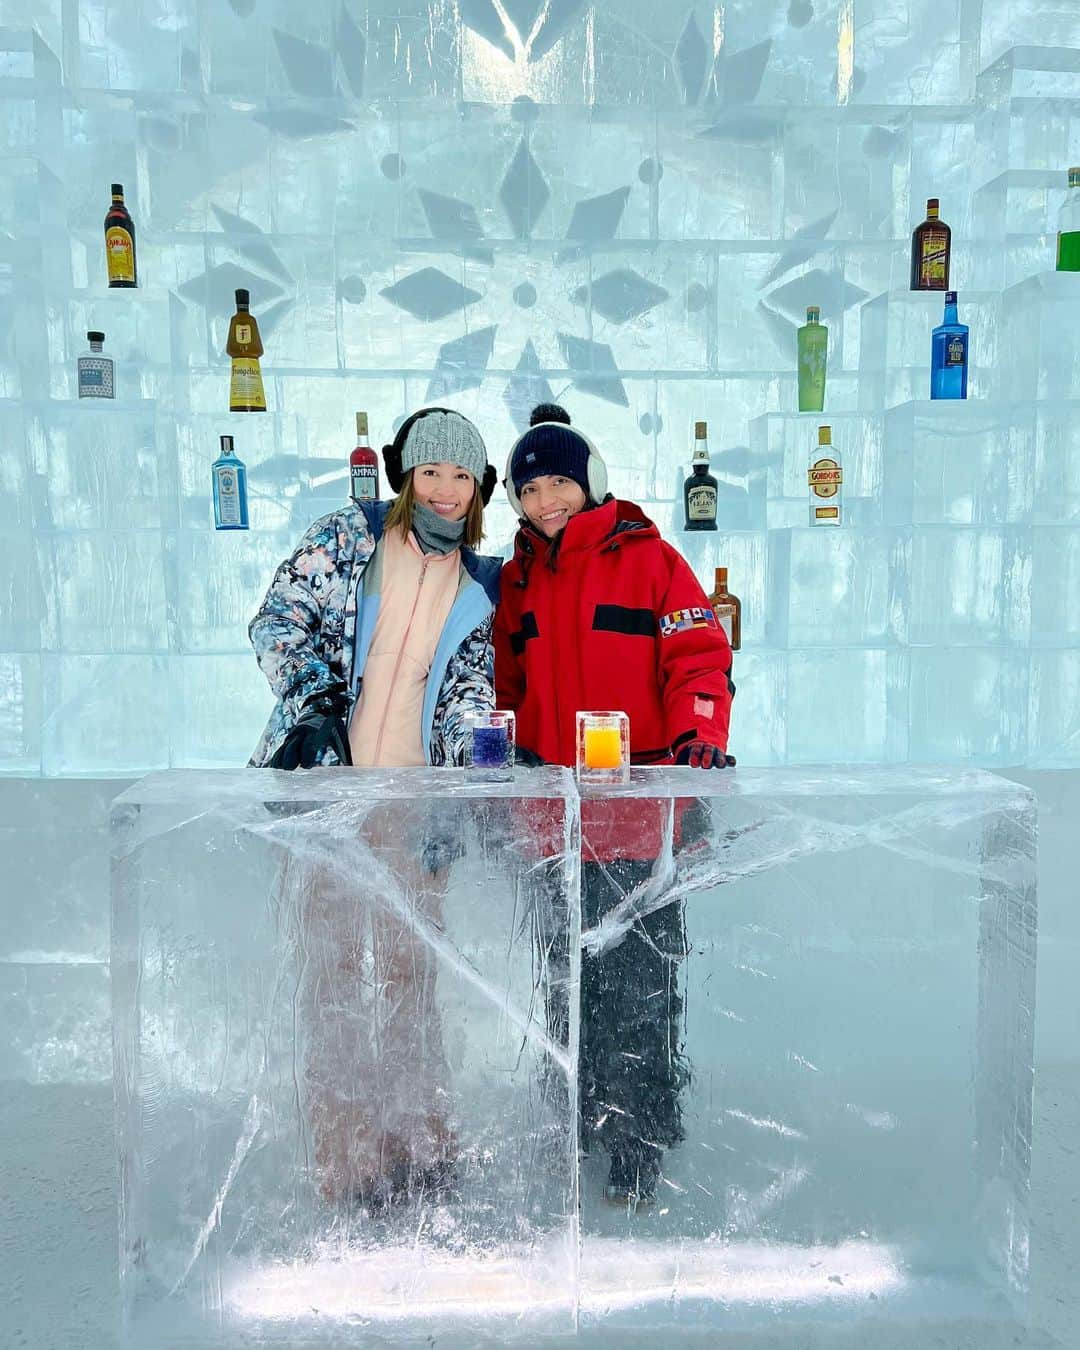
x,y
509,670
285,630
694,662
467,688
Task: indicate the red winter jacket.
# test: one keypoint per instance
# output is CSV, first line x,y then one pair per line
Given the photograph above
x,y
609,616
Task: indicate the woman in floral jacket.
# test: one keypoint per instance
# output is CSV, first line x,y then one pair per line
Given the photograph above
x,y
375,636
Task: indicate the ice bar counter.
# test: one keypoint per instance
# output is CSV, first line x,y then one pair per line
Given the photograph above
x,y
348,1026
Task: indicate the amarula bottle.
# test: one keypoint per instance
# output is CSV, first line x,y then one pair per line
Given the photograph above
x,y
931,248
826,480
120,241
96,370
813,345
230,489
363,465
245,347
728,610
949,354
699,490
1068,248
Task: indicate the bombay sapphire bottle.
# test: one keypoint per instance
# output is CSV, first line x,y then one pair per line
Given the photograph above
x,y
230,489
949,354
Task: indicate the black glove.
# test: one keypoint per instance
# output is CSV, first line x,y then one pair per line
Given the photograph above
x,y
703,755
529,758
320,727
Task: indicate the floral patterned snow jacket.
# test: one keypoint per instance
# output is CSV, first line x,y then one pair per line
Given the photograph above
x,y
315,625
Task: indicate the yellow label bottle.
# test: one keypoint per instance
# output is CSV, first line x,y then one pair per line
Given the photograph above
x,y
246,393
120,241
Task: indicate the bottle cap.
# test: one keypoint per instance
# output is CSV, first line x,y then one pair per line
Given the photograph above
x,y
824,435
933,206
361,424
813,313
950,297
700,431
95,336
118,189
243,298
1074,177
226,445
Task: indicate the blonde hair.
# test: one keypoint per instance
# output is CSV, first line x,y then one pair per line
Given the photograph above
x,y
400,515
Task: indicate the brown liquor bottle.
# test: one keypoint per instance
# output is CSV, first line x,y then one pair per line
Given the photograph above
x,y
244,345
931,247
120,241
728,609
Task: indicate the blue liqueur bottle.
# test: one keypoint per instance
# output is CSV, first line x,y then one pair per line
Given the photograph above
x,y
949,355
230,489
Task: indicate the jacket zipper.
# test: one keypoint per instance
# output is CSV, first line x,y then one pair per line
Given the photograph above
x,y
401,656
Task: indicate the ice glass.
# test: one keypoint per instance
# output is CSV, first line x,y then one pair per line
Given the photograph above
x,y
491,747
603,747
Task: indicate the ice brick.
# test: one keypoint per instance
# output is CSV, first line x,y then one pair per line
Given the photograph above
x,y
358,1039
844,1141
970,586
894,351
968,704
847,705
1044,350
962,462
784,444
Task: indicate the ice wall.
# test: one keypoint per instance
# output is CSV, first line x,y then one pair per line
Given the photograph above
x,y
622,204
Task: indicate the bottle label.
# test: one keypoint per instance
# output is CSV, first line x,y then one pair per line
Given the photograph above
x,y
365,482
826,513
242,333
95,377
701,503
119,254
725,617
246,386
825,477
228,496
956,350
932,265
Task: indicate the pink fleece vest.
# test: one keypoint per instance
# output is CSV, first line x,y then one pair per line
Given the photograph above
x,y
415,599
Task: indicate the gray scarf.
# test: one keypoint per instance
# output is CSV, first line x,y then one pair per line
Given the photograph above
x,y
434,533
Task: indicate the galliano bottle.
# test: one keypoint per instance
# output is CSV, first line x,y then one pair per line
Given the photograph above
x,y
120,242
699,490
244,345
813,343
826,481
230,489
931,251
363,465
1068,240
949,354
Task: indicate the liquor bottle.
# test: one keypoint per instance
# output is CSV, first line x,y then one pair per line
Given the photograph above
x,y
728,610
245,347
120,241
96,374
363,465
931,248
826,480
1068,249
699,490
949,354
813,344
230,489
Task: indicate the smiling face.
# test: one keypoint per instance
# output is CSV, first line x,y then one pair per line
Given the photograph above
x,y
446,489
550,500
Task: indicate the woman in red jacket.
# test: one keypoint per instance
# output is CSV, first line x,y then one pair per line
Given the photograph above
x,y
597,611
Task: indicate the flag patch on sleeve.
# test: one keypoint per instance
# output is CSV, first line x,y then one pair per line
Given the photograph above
x,y
681,620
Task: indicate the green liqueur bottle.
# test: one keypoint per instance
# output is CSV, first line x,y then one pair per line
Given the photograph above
x,y
1068,249
813,345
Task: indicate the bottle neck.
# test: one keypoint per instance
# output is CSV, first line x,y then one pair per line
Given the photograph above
x,y
950,313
